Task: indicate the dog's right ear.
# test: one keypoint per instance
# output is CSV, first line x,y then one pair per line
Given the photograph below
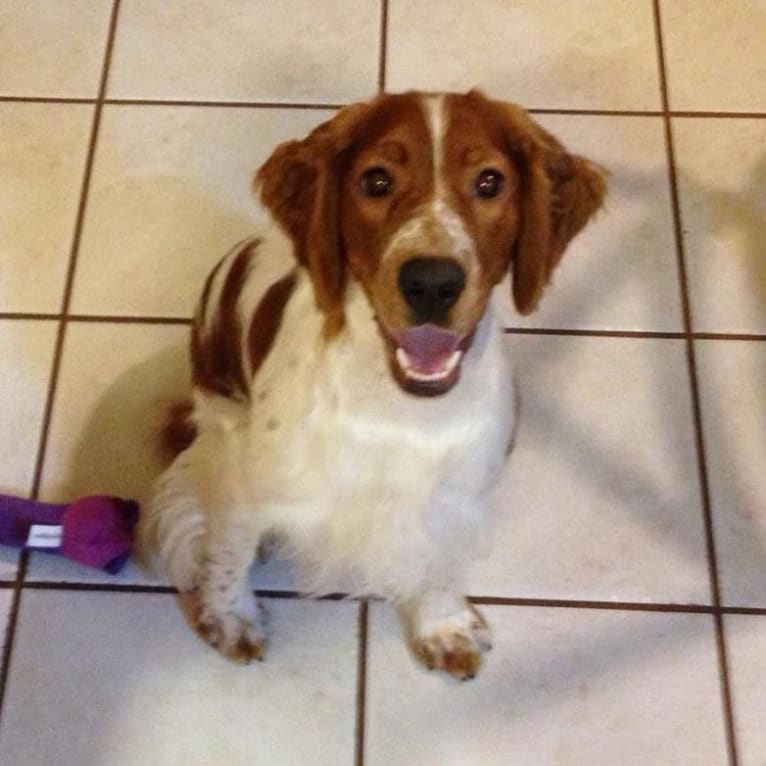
x,y
300,186
562,192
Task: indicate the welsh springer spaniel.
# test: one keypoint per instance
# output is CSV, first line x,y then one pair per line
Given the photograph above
x,y
352,394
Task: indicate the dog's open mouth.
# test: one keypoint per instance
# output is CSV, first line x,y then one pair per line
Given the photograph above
x,y
427,358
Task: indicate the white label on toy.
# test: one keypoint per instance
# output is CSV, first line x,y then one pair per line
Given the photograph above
x,y
45,536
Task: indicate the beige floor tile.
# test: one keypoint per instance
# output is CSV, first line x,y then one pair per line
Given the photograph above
x,y
6,597
620,272
52,47
9,559
731,378
714,54
746,639
561,686
722,181
170,195
294,50
115,384
42,159
569,54
26,350
277,574
601,497
120,679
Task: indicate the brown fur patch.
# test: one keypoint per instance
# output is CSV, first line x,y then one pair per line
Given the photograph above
x,y
475,141
303,181
217,363
399,141
178,432
312,187
551,194
559,194
267,319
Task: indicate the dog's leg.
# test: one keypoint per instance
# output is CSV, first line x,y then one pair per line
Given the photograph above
x,y
227,614
444,631
172,527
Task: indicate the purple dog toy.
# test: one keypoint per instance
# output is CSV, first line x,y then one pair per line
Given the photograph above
x,y
96,531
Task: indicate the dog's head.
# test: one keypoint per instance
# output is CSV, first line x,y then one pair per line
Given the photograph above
x,y
427,200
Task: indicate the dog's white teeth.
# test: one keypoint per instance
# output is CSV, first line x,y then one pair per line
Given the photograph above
x,y
404,361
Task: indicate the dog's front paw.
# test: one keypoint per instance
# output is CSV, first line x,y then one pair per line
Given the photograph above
x,y
241,639
455,644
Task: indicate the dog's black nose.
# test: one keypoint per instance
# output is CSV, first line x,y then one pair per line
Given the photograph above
x,y
431,286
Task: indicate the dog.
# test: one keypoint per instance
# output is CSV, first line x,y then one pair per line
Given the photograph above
x,y
352,394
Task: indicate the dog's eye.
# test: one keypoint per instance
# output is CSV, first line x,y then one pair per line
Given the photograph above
x,y
376,182
488,183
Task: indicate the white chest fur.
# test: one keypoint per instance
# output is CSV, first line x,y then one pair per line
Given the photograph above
x,y
365,484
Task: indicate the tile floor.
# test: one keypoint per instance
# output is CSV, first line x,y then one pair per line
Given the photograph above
x,y
627,579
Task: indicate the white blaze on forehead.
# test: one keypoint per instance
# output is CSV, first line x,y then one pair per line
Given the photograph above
x,y
414,233
453,226
448,218
437,124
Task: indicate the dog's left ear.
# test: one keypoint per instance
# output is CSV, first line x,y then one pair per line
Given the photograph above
x,y
561,192
300,185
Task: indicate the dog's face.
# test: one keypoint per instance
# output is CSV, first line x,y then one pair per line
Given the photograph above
x,y
427,200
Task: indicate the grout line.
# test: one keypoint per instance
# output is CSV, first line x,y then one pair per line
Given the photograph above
x,y
222,104
11,625
721,115
48,409
361,684
106,319
687,318
595,112
55,366
117,101
97,587
704,484
727,697
755,611
728,336
616,606
555,331
593,333
294,594
683,114
383,45
107,587
46,100
69,282
519,601
27,316
19,584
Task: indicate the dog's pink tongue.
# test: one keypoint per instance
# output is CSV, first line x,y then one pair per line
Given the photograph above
x,y
428,347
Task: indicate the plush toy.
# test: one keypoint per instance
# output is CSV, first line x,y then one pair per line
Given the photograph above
x,y
96,531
